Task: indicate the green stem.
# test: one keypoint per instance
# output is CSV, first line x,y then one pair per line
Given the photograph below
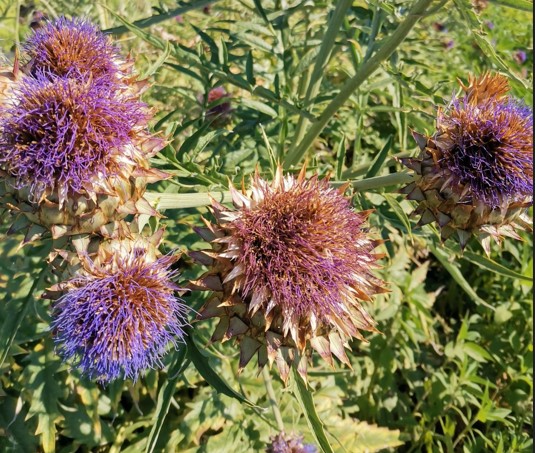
x,y
369,67
163,201
313,84
378,182
272,399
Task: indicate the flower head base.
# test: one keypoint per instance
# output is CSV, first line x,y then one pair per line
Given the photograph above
x,y
70,144
291,265
283,443
474,175
118,313
71,45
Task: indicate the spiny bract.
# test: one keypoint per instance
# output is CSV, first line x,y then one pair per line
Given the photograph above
x,y
474,175
290,265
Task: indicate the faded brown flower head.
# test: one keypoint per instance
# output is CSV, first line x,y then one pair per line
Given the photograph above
x,y
289,266
474,175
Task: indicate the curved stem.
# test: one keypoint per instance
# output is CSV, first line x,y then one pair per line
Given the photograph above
x,y
367,68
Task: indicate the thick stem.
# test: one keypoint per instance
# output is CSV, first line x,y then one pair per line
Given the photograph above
x,y
367,68
313,83
163,201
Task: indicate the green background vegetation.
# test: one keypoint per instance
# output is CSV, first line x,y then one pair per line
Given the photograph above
x,y
452,369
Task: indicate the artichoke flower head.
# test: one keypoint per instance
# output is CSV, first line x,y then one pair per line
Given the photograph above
x,y
74,142
474,175
290,266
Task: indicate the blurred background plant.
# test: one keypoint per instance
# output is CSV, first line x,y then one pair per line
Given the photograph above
x,y
240,84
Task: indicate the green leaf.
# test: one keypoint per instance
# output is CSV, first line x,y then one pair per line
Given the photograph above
x,y
522,5
159,62
164,397
304,397
399,212
477,352
200,362
453,269
379,160
340,157
259,106
10,325
45,392
493,266
487,47
148,21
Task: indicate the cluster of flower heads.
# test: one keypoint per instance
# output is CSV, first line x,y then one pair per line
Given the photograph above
x,y
74,143
291,264
74,160
474,175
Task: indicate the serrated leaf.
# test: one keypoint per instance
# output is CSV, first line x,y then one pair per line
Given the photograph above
x,y
209,375
304,397
10,326
364,437
46,392
486,46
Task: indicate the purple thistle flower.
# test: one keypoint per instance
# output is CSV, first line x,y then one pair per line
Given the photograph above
x,y
520,57
491,147
63,133
119,314
283,443
71,45
474,174
293,264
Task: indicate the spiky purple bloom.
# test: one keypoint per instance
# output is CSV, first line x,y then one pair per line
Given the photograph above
x,y
292,250
61,134
119,314
474,174
491,148
291,266
71,45
283,443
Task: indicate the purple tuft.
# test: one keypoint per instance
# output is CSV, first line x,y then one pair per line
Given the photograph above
x,y
71,45
290,444
492,148
63,132
520,57
118,323
304,246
